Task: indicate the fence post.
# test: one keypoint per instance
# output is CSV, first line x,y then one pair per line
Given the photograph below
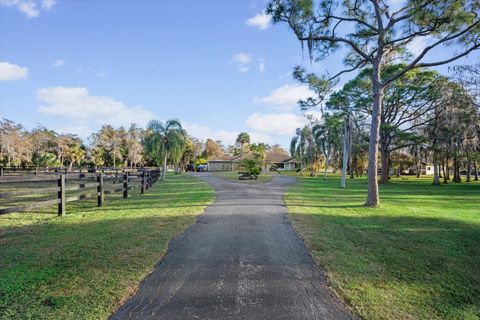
x,y
125,184
1,173
142,189
61,195
100,196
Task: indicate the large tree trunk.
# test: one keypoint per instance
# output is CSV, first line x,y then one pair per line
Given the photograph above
x,y
373,197
385,166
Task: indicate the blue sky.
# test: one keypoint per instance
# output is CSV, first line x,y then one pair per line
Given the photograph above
x,y
76,65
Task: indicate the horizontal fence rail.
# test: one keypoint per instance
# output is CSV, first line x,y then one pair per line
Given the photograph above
x,y
12,171
15,189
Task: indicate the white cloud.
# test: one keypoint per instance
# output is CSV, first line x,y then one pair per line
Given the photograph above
x,y
286,97
48,4
29,7
242,61
417,45
256,137
261,66
89,111
242,58
9,71
243,69
227,137
261,21
275,123
58,63
205,132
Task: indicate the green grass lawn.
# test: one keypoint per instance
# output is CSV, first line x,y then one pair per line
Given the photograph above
x,y
415,257
84,265
233,175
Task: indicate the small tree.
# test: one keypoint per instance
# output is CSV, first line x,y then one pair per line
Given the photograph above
x,y
251,167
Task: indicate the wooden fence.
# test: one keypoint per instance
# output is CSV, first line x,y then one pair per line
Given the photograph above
x,y
56,185
33,170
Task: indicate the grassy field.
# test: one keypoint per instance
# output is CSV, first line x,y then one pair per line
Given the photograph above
x,y
84,265
233,175
415,257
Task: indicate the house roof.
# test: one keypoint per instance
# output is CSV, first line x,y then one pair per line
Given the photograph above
x,y
277,156
226,158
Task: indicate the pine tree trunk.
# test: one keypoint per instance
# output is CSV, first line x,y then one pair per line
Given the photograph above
x,y
468,170
447,171
444,168
326,166
345,157
419,167
301,162
350,162
456,170
436,177
373,197
475,170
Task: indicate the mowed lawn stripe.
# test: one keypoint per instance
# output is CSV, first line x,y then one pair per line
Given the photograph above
x,y
84,265
415,257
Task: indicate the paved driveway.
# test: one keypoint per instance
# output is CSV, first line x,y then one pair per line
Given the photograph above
x,y
241,260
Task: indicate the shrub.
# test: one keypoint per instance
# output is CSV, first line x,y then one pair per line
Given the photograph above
x,y
251,166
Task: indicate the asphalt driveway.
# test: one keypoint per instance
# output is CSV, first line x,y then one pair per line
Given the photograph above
x,y
241,260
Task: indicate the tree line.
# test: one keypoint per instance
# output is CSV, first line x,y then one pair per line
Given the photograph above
x,y
376,36
426,118
159,144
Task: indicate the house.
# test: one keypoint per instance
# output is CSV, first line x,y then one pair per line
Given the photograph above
x,y
278,159
223,163
427,169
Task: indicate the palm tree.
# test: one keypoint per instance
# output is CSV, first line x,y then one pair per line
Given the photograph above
x,y
327,137
165,141
242,139
303,147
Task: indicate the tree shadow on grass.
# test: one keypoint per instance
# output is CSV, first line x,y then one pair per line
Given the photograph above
x,y
410,266
78,269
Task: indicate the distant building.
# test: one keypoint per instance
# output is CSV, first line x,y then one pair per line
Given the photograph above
x,y
223,163
278,159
